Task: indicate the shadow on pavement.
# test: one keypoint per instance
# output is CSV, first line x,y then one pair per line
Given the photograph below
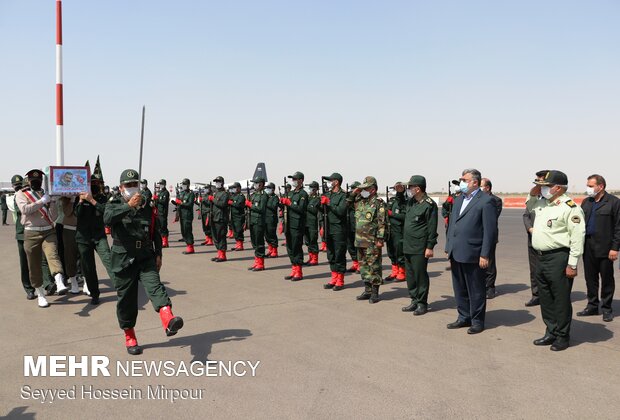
x,y
18,413
507,318
504,289
201,344
585,332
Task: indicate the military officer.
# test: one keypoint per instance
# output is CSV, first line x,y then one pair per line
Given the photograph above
x,y
370,220
185,207
355,267
162,203
146,192
335,206
558,237
258,207
90,235
296,203
397,206
271,220
237,215
311,231
137,258
219,218
419,239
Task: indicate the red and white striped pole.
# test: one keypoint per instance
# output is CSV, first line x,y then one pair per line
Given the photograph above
x,y
60,147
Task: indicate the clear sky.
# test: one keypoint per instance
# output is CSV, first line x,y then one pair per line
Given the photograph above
x,y
384,88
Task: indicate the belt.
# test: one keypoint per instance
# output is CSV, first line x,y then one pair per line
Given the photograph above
x,y
552,251
69,227
138,244
38,228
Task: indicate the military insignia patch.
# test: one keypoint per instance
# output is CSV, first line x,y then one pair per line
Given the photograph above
x,y
575,219
571,203
130,174
549,223
368,215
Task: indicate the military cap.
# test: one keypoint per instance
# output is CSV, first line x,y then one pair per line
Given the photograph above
x,y
354,185
17,180
314,184
144,181
236,185
271,185
297,175
162,182
185,181
417,180
128,176
335,176
369,181
34,174
259,179
542,173
554,177
219,179
455,182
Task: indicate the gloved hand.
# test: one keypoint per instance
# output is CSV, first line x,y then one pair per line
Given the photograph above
x,y
178,201
45,199
324,200
248,203
155,197
285,201
230,202
210,198
390,213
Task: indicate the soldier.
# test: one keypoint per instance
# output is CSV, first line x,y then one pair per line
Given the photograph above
x,y
48,283
219,218
446,207
370,219
355,267
258,207
162,203
296,203
491,275
334,205
39,235
397,206
419,239
271,221
146,192
69,220
137,258
185,207
4,208
90,235
311,232
558,237
237,215
205,208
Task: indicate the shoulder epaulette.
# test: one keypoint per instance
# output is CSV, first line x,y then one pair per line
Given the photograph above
x,y
429,200
570,203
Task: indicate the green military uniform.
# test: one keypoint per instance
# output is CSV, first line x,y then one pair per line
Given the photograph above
x,y
311,231
162,203
297,205
271,219
237,213
370,221
136,250
205,207
185,207
90,235
337,229
397,207
219,216
4,208
558,238
145,192
419,234
351,232
257,219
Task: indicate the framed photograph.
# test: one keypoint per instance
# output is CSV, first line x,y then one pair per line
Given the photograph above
x,y
68,180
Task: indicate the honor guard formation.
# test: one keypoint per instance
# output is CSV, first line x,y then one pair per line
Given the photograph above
x,y
58,236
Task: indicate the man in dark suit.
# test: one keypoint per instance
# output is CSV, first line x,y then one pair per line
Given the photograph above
x,y
472,233
602,216
491,273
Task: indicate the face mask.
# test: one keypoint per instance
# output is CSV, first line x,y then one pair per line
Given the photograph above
x,y
464,186
142,187
365,194
255,185
590,192
457,189
35,184
268,191
130,192
410,193
17,188
218,185
185,187
545,191
333,185
106,190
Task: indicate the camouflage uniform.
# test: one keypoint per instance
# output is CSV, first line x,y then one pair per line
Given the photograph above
x,y
370,219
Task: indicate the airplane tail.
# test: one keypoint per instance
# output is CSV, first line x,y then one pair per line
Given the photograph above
x,y
260,170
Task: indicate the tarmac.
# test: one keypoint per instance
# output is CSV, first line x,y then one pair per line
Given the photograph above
x,y
322,354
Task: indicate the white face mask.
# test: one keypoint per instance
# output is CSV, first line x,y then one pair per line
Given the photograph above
x,y
142,187
185,187
410,193
365,194
130,192
590,192
545,191
268,190
255,185
457,189
218,185
333,185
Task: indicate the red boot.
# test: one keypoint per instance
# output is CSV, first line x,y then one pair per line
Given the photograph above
x,y
314,259
260,264
222,257
400,276
131,343
274,252
209,241
332,282
189,250
355,267
298,274
171,323
393,274
323,247
164,242
238,246
293,272
254,265
230,233
339,282
219,254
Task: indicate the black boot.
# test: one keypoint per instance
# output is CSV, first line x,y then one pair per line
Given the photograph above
x,y
366,294
374,296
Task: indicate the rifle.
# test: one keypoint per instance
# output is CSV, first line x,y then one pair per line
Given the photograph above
x,y
324,208
210,192
388,225
284,211
176,206
247,210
